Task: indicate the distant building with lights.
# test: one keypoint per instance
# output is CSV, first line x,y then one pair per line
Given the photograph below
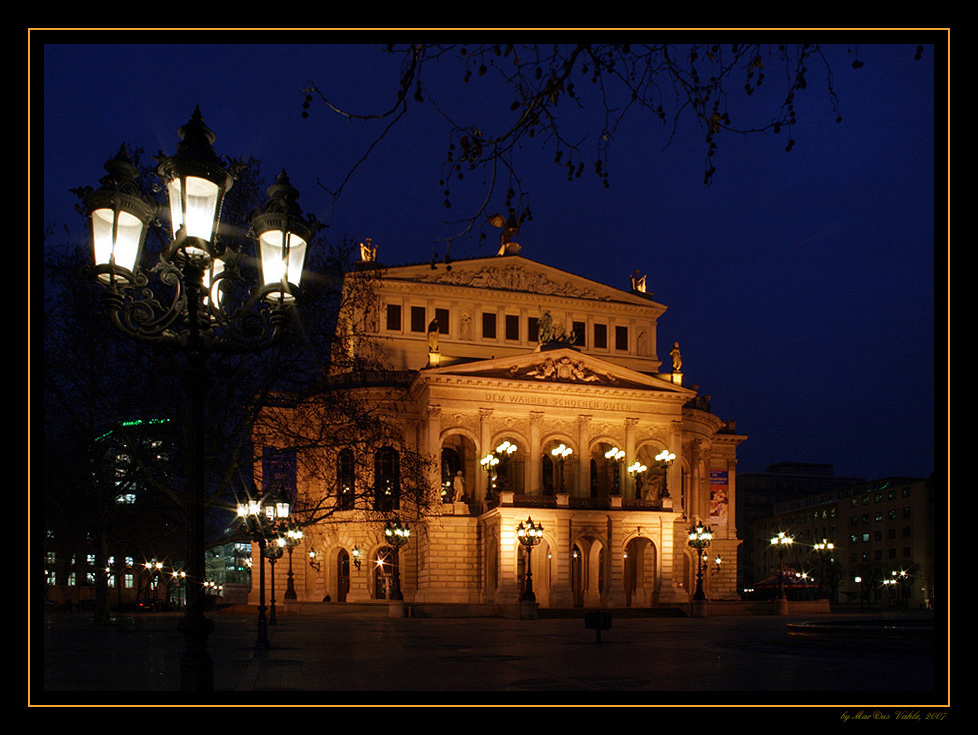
x,y
882,537
535,393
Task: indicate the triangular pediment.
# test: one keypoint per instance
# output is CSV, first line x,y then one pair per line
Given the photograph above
x,y
515,273
563,365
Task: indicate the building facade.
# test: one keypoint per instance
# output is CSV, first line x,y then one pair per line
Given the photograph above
x,y
534,394
882,536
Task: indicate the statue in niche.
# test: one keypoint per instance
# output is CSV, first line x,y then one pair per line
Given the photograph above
x,y
677,358
458,488
465,332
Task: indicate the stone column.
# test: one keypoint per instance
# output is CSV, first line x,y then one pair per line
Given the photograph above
x,y
583,458
614,592
485,417
561,593
627,482
534,453
433,447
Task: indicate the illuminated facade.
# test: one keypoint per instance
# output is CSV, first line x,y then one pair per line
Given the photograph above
x,y
535,393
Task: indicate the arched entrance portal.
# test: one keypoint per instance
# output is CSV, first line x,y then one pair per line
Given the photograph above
x,y
342,575
639,572
383,573
587,572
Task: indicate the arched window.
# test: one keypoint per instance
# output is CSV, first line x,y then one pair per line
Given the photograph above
x,y
451,464
345,479
387,479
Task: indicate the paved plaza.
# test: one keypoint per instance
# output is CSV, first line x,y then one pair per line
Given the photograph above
x,y
340,658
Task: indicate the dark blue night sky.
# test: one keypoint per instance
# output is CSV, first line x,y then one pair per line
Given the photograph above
x,y
800,286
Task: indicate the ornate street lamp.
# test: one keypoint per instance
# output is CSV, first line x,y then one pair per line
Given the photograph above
x,y
529,535
781,543
664,459
273,552
260,519
397,535
700,537
188,307
293,535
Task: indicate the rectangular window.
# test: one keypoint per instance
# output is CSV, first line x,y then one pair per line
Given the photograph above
x,y
488,325
417,319
394,317
600,336
621,338
513,327
442,316
532,329
580,334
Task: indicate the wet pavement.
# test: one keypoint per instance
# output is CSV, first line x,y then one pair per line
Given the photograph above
x,y
353,658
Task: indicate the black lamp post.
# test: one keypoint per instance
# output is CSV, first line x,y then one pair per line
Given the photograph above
x,y
781,542
193,312
529,535
397,535
700,537
273,552
823,549
260,519
293,535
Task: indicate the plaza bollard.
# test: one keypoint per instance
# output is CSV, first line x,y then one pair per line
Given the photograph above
x,y
598,620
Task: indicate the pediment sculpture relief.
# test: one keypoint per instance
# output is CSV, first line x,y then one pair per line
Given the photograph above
x,y
512,278
561,369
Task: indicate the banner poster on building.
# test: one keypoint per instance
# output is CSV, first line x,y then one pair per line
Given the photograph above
x,y
718,497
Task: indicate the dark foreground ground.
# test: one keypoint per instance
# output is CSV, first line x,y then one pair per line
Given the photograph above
x,y
356,659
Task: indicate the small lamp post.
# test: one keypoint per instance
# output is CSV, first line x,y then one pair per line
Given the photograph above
x,y
397,535
664,459
273,552
260,519
700,537
823,549
529,535
781,543
489,465
560,454
616,456
636,470
293,536
191,315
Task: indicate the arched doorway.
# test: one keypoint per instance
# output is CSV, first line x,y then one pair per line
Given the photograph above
x,y
342,575
458,455
639,572
540,567
605,470
383,573
587,571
